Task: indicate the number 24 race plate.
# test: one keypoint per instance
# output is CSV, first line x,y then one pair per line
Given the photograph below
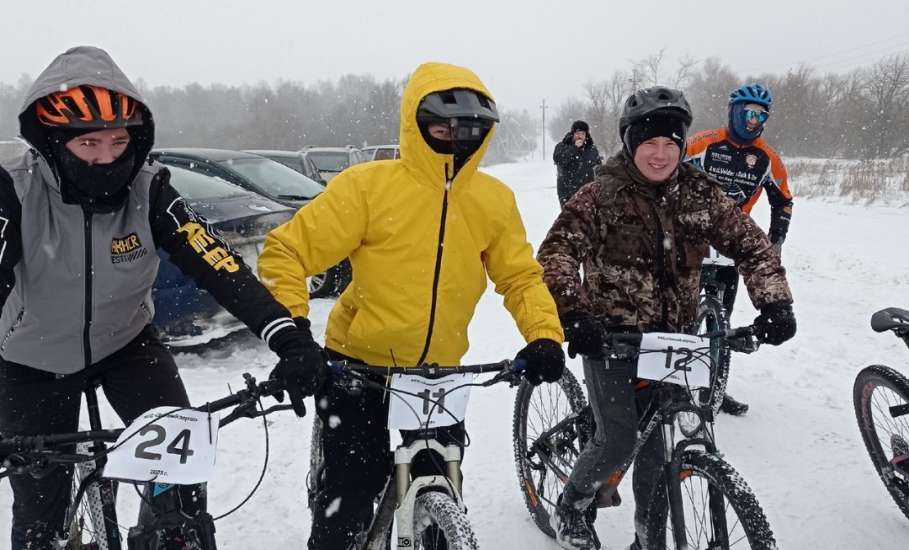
x,y
177,448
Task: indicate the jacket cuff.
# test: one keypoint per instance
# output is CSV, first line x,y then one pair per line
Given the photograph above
x,y
276,327
549,334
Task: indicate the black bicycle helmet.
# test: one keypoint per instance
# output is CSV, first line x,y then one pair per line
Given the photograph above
x,y
468,114
646,102
457,103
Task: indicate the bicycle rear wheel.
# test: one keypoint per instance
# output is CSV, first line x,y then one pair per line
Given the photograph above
x,y
85,517
440,524
316,462
719,508
711,318
881,399
549,430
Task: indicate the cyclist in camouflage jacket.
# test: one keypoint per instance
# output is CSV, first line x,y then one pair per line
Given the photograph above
x,y
642,244
641,230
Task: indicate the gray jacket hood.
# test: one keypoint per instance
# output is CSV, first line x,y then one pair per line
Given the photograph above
x,y
75,67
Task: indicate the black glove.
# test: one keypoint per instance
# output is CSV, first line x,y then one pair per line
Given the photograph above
x,y
775,324
584,334
303,363
568,139
544,360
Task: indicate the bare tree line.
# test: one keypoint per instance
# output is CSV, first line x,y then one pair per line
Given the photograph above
x,y
863,114
354,110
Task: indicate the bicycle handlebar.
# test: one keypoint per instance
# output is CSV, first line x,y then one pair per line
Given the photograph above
x,y
431,371
245,401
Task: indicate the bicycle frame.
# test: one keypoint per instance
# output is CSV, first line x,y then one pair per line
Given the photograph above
x,y
398,499
668,402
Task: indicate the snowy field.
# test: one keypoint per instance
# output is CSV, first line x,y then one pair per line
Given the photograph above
x,y
799,447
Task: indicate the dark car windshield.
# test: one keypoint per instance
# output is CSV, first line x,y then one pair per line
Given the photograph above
x,y
275,179
196,187
326,161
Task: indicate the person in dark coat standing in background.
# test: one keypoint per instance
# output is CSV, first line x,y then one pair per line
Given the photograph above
x,y
575,157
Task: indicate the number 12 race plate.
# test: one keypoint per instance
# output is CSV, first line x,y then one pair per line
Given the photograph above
x,y
178,448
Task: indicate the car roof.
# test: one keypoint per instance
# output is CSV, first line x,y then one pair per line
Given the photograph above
x,y
327,149
273,152
215,155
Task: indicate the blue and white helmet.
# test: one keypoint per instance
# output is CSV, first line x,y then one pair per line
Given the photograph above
x,y
751,93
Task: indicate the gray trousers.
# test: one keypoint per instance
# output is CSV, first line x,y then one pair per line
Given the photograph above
x,y
616,408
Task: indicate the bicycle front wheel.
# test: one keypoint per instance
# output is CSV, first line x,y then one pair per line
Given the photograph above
x,y
712,318
881,399
316,462
550,429
720,511
440,524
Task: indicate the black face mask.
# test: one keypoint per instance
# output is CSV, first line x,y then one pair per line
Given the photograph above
x,y
102,187
466,139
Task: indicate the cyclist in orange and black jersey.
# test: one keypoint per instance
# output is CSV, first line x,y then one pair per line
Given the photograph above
x,y
745,169
739,158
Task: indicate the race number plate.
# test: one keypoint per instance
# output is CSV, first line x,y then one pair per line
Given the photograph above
x,y
680,359
421,406
178,448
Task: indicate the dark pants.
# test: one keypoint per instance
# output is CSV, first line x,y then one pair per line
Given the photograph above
x,y
729,276
140,376
358,461
616,408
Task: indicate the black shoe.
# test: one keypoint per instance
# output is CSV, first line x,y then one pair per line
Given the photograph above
x,y
572,528
733,407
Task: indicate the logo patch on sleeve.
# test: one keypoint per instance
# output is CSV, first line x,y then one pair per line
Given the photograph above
x,y
126,249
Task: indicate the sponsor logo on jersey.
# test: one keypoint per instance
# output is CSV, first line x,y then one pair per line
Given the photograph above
x,y
751,160
725,158
126,249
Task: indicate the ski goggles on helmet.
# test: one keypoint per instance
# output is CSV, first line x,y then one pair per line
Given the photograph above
x,y
758,115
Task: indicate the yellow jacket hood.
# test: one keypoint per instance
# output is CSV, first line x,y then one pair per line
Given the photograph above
x,y
416,154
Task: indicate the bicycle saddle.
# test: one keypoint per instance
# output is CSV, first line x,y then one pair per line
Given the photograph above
x,y
889,319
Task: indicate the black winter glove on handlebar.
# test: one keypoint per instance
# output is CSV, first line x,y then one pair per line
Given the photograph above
x,y
584,334
302,365
775,324
545,361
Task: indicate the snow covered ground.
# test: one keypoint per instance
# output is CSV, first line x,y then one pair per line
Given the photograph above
x,y
799,447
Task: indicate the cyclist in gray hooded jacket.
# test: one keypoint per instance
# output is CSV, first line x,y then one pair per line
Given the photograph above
x,y
81,215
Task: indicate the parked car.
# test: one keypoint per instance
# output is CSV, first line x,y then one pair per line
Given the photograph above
x,y
331,161
380,152
186,314
12,148
265,177
295,160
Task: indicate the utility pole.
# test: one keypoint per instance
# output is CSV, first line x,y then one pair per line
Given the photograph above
x,y
543,131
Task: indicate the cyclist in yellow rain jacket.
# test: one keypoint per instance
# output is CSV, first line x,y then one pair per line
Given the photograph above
x,y
422,233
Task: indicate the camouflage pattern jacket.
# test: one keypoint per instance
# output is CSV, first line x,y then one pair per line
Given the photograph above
x,y
641,245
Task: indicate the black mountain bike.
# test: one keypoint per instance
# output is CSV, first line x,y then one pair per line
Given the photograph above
x,y
701,499
427,510
881,399
91,518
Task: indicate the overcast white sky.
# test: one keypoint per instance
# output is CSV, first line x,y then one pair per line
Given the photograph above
x,y
523,50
